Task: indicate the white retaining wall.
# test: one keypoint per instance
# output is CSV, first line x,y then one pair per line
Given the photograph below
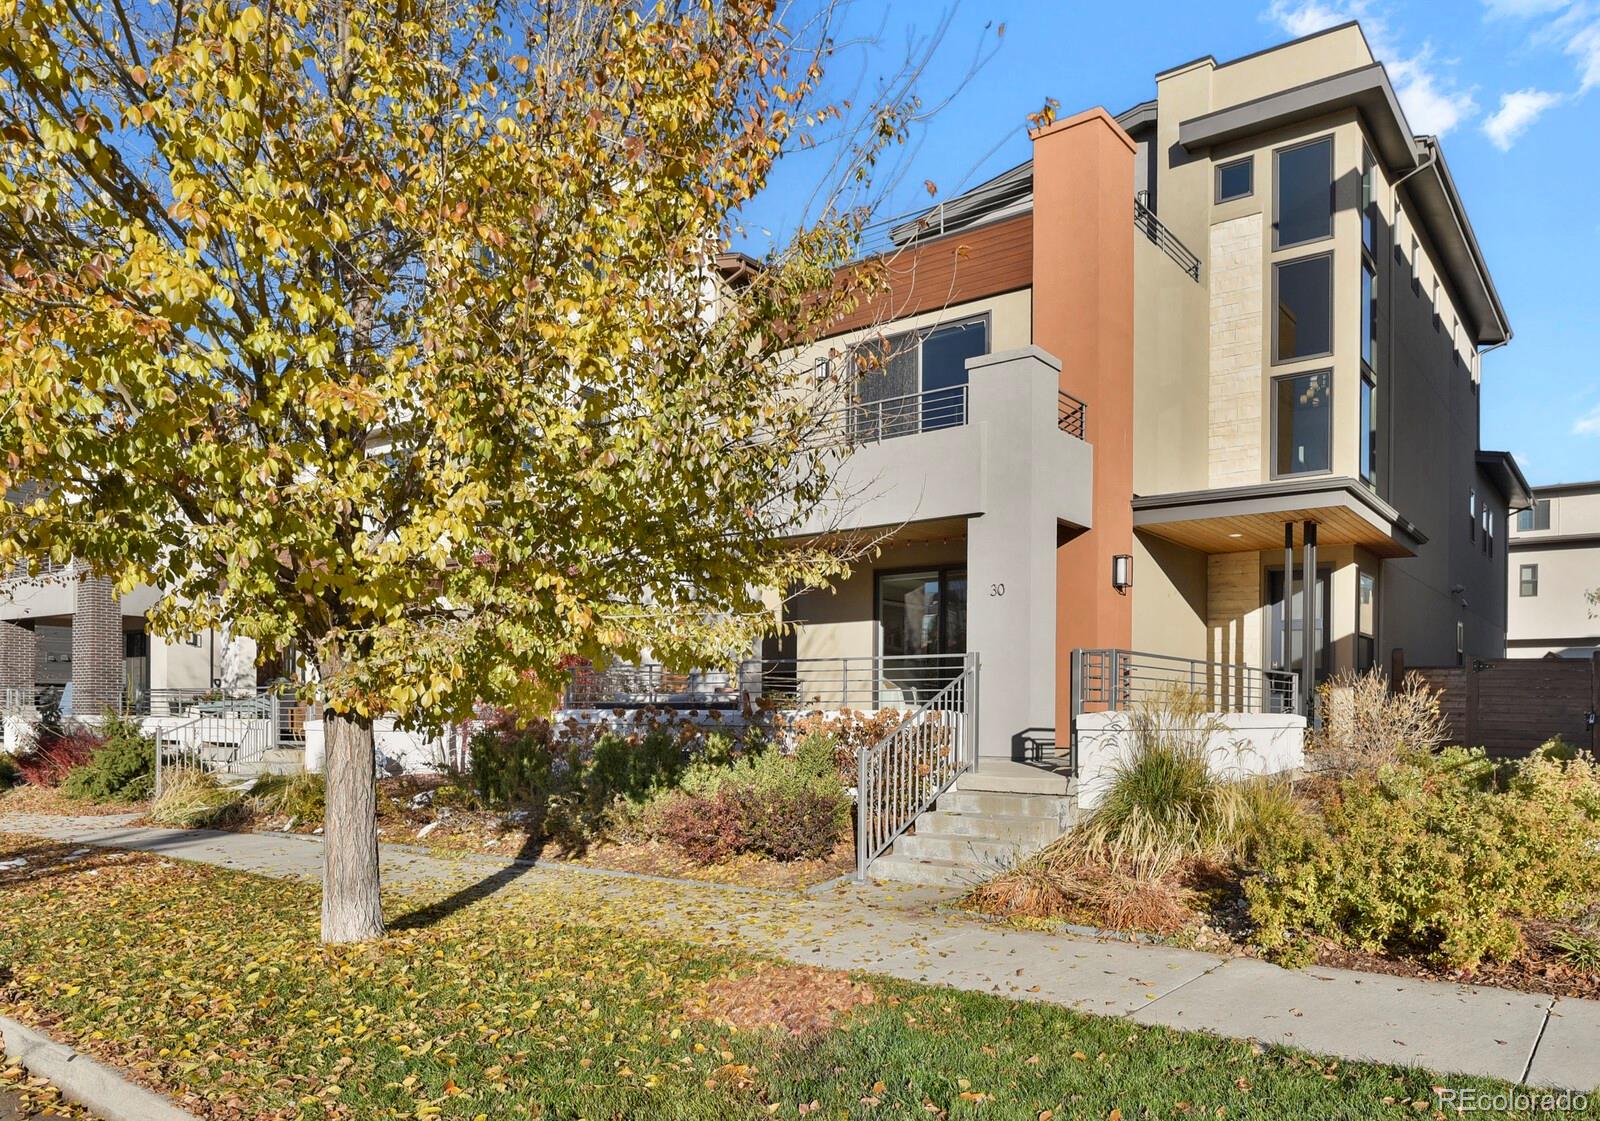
x,y
1243,744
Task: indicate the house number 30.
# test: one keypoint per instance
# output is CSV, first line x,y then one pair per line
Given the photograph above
x,y
997,589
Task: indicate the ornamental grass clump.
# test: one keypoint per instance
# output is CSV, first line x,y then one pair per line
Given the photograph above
x,y
1166,820
192,798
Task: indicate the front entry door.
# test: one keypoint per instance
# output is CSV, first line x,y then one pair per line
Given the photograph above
x,y
1296,662
922,615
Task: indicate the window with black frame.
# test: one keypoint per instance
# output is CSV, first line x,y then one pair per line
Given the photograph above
x,y
915,381
1302,419
922,622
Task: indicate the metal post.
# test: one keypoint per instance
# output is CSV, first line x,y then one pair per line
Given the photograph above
x,y
861,813
972,711
1288,608
1308,585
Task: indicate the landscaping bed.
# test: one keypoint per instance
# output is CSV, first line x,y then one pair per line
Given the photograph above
x,y
210,986
25,1098
1397,855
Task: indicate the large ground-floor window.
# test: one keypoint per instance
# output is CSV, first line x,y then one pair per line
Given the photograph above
x,y
922,615
1321,629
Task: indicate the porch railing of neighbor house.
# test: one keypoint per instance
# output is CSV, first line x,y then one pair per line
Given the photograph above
x,y
1071,414
866,683
1116,680
901,775
871,422
239,736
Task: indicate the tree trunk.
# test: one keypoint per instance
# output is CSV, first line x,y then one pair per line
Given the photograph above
x,y
351,909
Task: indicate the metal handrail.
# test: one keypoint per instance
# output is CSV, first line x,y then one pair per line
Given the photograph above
x,y
867,683
1115,680
903,774
1146,222
1071,414
909,414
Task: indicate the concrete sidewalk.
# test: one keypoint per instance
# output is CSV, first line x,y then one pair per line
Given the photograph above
x,y
1518,1037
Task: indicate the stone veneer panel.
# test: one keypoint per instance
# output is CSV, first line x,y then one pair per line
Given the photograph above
x,y
97,650
1234,414
1233,608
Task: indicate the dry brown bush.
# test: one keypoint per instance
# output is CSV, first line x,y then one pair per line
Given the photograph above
x,y
1366,725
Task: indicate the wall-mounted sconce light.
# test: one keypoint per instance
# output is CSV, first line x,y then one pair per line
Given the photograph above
x,y
1122,573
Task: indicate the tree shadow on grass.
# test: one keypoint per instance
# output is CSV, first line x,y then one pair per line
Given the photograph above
x,y
521,864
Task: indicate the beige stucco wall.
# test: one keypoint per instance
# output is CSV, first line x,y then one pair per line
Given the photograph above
x,y
1559,616
1170,599
840,622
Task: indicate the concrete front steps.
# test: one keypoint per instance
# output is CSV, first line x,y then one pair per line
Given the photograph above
x,y
987,822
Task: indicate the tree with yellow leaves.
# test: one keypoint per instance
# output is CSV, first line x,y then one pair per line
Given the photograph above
x,y
395,333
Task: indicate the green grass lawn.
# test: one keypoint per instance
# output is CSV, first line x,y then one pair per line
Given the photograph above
x,y
211,987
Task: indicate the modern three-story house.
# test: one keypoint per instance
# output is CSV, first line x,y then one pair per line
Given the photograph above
x,y
1112,395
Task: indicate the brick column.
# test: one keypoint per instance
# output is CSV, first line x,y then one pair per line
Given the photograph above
x,y
96,648
19,657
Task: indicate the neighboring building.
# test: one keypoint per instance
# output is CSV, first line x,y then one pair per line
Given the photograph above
x,y
1554,563
1252,304
66,633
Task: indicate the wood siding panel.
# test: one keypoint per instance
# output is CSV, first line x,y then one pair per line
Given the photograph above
x,y
954,269
1512,705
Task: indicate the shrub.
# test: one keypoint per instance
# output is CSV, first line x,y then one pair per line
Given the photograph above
x,y
706,830
1427,858
122,768
54,756
10,773
192,798
302,796
632,767
849,732
786,807
1365,725
803,824
511,760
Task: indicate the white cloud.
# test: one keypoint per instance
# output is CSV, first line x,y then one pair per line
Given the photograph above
x,y
1588,424
1432,101
1523,9
1585,47
1518,110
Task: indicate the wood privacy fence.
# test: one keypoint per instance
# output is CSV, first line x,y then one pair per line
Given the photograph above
x,y
1509,706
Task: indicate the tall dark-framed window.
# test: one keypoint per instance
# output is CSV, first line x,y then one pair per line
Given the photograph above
x,y
1369,339
922,617
1302,423
1302,291
915,381
1303,193
1236,179
1366,621
1369,204
1472,515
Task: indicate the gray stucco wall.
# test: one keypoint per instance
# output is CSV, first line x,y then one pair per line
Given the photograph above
x,y
1428,409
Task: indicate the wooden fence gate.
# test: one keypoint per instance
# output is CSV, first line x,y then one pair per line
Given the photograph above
x,y
1509,706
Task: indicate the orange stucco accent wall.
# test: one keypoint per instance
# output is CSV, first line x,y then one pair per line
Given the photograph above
x,y
1083,314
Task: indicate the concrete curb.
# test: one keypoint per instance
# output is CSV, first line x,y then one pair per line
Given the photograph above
x,y
81,1079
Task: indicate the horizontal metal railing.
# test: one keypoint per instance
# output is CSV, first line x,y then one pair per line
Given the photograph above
x,y
1071,414
866,683
871,422
904,773
1116,680
1146,222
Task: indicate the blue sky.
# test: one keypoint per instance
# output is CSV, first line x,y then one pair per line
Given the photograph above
x,y
1511,86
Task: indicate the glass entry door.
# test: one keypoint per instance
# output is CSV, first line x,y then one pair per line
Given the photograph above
x,y
1296,661
921,616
